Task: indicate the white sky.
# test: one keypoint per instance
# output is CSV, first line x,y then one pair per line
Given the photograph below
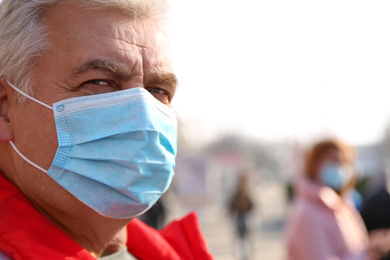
x,y
282,69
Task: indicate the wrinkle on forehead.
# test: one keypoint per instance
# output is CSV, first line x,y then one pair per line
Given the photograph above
x,y
151,42
145,33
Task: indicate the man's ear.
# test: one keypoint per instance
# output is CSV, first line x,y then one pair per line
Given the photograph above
x,y
6,132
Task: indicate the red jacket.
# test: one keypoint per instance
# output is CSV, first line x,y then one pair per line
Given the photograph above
x,y
27,234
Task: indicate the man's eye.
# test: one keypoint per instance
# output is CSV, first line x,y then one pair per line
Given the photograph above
x,y
157,91
160,95
98,86
98,82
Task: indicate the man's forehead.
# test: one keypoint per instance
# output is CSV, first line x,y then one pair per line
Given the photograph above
x,y
69,13
90,24
105,30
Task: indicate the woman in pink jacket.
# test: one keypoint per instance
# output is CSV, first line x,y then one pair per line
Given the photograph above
x,y
323,225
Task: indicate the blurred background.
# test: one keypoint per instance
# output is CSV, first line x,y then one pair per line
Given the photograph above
x,y
259,82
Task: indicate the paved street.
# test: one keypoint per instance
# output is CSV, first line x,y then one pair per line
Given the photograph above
x,y
266,222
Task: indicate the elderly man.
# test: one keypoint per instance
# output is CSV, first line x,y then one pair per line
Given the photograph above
x,y
87,135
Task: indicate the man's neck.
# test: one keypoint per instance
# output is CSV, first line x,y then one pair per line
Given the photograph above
x,y
102,236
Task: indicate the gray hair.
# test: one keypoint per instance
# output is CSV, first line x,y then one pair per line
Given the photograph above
x,y
22,35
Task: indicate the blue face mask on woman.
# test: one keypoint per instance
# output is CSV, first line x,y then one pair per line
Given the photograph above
x,y
335,175
116,151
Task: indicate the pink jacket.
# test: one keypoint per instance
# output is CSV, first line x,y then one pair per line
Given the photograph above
x,y
323,226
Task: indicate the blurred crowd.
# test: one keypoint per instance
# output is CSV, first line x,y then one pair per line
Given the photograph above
x,y
327,219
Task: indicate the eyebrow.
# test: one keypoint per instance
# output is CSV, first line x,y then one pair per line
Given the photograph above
x,y
119,71
169,78
122,72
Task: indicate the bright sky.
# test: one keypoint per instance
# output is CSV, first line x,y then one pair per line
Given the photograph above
x,y
282,69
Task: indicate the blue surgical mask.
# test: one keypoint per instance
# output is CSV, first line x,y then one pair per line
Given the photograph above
x,y
116,151
335,176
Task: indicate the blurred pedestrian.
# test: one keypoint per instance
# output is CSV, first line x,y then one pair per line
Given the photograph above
x,y
323,224
376,211
241,204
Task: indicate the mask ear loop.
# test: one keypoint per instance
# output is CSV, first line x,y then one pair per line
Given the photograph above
x,y
12,144
28,96
25,158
